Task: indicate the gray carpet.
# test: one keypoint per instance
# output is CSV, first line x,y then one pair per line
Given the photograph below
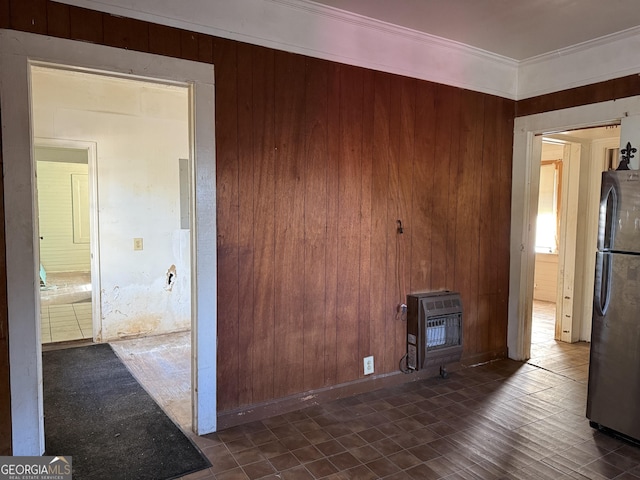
x,y
96,412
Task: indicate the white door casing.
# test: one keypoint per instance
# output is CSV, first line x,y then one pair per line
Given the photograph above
x,y
526,155
18,51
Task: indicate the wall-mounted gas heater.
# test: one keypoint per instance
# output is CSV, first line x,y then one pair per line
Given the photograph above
x,y
434,329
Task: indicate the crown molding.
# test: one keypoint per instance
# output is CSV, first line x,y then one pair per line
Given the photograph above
x,y
308,28
605,58
321,31
360,21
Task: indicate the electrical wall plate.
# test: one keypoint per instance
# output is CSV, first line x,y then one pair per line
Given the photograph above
x,y
368,365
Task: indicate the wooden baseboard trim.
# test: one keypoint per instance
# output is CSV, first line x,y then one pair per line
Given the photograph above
x,y
471,360
252,413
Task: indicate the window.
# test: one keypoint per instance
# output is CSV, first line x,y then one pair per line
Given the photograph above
x,y
548,221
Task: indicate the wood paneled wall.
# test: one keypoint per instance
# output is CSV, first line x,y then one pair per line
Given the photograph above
x,y
614,89
316,163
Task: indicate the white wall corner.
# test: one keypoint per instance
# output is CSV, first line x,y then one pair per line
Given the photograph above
x,y
630,133
598,60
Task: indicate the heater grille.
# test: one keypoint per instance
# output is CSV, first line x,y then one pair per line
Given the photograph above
x,y
443,331
434,329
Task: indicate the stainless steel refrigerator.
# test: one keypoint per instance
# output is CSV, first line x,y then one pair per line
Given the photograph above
x,y
613,399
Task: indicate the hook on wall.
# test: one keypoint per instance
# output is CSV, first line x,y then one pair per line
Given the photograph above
x,y
400,229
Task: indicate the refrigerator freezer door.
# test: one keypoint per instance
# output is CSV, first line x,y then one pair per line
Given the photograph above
x,y
619,225
613,399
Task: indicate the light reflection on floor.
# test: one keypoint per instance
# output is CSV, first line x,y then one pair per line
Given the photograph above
x,y
65,307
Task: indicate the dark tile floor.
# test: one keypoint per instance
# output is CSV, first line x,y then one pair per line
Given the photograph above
x,y
502,420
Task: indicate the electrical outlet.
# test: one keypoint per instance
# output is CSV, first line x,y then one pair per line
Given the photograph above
x,y
368,365
137,244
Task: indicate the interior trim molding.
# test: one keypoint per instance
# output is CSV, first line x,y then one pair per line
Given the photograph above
x,y
304,27
18,51
593,61
281,406
321,31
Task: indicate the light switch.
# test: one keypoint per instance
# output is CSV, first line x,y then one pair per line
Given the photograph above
x,y
137,244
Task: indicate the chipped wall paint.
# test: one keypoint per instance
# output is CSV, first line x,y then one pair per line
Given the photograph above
x,y
141,131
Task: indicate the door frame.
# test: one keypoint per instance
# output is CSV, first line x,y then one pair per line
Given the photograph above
x,y
524,182
18,51
94,241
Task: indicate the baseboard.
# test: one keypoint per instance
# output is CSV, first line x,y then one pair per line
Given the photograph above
x,y
280,406
471,360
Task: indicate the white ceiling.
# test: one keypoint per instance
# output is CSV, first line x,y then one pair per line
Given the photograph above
x,y
517,29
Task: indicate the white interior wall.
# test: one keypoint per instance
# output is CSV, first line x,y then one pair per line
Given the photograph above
x,y
141,130
545,286
546,264
630,133
59,251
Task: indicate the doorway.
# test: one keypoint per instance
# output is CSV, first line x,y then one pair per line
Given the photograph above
x,y
576,284
64,225
17,53
566,231
140,244
548,223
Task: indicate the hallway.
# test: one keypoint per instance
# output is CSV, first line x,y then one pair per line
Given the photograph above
x,y
570,360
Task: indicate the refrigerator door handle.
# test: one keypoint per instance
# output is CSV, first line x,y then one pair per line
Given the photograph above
x,y
608,214
602,283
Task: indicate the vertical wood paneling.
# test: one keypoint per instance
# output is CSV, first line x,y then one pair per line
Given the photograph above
x,y
402,136
467,226
489,208
128,33
225,53
246,219
380,223
315,222
29,15
366,269
289,222
58,20
205,48
316,161
349,198
489,198
189,45
85,25
423,188
264,358
502,232
392,273
5,14
332,271
453,186
441,192
164,40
